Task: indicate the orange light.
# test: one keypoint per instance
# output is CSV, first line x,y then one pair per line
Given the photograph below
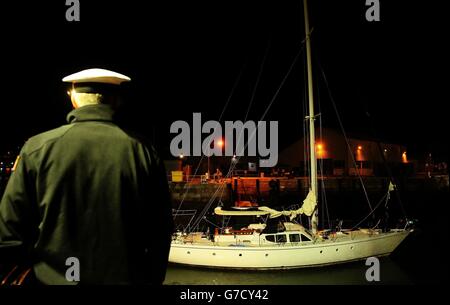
x,y
181,156
359,147
220,143
404,157
321,152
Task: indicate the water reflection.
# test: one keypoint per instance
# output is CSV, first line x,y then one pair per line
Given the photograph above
x,y
345,274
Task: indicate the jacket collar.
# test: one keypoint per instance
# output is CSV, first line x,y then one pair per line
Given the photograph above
x,y
100,112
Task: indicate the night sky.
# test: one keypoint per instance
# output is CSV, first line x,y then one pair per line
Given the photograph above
x,y
186,56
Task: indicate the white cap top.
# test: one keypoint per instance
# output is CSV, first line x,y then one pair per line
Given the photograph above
x,y
97,76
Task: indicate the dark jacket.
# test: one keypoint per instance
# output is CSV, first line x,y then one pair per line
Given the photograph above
x,y
92,191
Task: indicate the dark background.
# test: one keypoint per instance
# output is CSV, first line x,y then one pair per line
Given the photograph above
x,y
185,56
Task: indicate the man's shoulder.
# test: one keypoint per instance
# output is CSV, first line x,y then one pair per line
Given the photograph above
x,y
136,137
141,140
38,141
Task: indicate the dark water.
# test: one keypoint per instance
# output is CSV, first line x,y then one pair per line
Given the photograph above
x,y
348,274
421,259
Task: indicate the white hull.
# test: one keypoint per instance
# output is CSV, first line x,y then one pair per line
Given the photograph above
x,y
343,248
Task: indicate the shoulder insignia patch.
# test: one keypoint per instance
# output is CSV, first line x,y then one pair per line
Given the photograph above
x,y
16,163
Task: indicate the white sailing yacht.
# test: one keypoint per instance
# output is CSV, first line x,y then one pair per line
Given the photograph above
x,y
291,245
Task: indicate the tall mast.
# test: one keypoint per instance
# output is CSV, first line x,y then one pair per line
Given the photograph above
x,y
312,139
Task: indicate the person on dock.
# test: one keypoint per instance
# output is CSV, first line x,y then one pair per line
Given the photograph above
x,y
218,175
89,201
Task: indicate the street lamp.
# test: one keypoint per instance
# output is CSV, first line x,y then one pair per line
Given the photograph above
x,y
221,144
359,157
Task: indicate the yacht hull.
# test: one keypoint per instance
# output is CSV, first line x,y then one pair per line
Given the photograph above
x,y
288,255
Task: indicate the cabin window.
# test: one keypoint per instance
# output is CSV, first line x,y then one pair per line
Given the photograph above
x,y
281,238
270,238
294,238
305,238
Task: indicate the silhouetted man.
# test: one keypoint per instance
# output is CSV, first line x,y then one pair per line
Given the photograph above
x,y
90,195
